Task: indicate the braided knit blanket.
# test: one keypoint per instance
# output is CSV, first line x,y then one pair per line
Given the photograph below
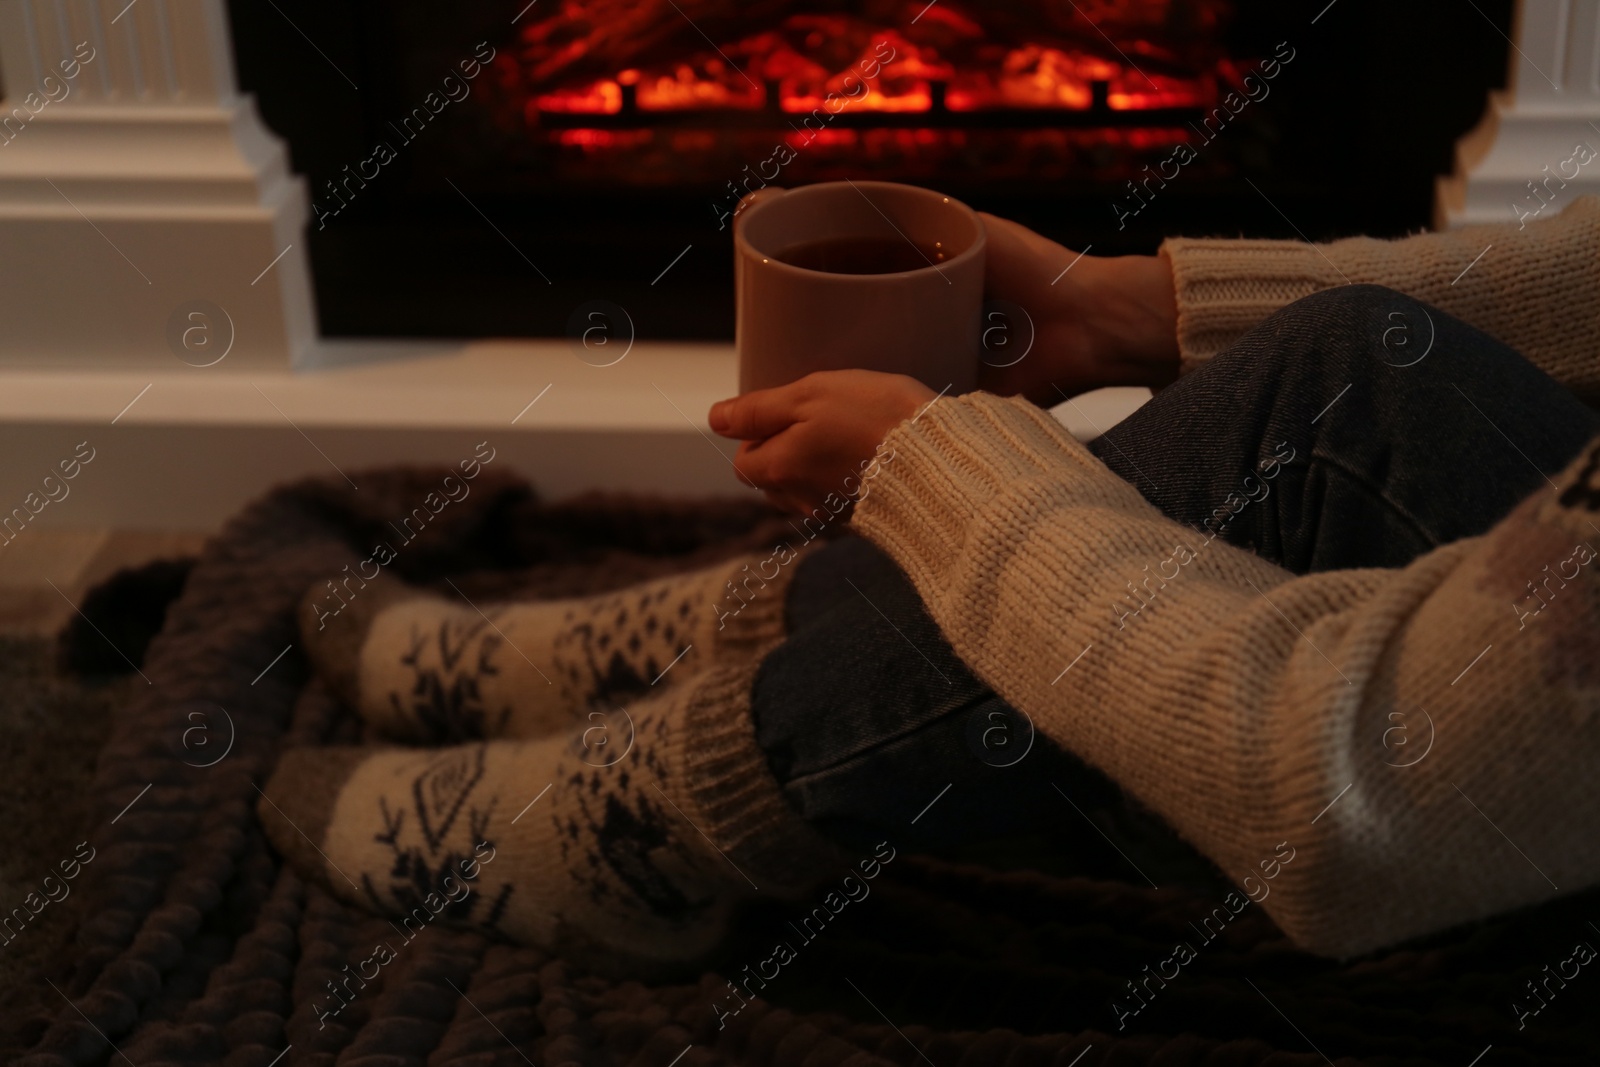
x,y
197,945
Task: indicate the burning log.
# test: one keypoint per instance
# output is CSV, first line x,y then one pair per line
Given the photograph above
x,y
580,42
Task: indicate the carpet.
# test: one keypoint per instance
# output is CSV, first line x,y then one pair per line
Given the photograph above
x,y
192,943
52,725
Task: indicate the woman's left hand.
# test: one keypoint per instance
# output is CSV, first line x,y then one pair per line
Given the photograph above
x,y
814,437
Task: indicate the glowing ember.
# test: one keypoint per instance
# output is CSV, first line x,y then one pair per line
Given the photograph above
x,y
1030,76
602,98
804,59
1133,91
1034,89
713,85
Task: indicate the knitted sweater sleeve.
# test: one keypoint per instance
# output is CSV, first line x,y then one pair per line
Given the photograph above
x,y
1419,742
1533,284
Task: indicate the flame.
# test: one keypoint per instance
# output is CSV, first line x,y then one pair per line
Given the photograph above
x,y
603,97
668,157
1030,76
1132,91
714,85
592,139
913,96
1033,77
901,84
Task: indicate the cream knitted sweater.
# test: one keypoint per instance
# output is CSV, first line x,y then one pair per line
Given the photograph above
x,y
1421,741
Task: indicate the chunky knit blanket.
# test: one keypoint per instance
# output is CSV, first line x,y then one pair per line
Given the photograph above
x,y
198,945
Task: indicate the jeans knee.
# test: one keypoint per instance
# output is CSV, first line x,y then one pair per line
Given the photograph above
x,y
1349,331
1341,301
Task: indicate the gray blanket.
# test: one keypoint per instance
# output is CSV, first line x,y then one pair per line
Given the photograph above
x,y
197,945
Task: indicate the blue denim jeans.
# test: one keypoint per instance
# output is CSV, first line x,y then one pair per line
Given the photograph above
x,y
1388,428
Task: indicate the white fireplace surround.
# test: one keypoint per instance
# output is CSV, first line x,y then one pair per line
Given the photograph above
x,y
147,184
155,297
1523,159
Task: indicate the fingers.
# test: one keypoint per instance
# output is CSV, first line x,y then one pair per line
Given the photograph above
x,y
755,415
754,469
761,463
797,441
739,470
784,502
785,469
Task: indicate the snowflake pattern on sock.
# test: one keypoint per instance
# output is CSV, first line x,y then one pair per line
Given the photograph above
x,y
448,666
449,825
623,838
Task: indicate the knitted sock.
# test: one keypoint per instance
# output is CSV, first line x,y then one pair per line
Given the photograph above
x,y
422,667
629,864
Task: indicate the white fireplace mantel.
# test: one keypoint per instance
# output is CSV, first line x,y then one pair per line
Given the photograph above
x,y
139,190
1520,161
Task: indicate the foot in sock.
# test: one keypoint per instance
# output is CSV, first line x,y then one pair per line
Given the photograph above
x,y
630,867
421,667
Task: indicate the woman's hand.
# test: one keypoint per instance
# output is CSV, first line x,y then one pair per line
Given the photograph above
x,y
816,437
1097,321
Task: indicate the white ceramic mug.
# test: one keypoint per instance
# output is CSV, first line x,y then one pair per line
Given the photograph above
x,y
923,322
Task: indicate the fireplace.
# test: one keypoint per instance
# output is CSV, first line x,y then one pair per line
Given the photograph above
x,y
954,92
598,147
154,224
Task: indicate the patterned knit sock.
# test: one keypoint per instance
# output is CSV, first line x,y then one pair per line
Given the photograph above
x,y
626,858
421,667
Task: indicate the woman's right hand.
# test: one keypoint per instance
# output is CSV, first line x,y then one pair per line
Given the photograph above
x,y
1105,321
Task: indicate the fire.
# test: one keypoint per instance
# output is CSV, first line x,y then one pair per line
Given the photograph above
x,y
1034,77
603,97
1135,92
627,91
785,63
713,85
902,84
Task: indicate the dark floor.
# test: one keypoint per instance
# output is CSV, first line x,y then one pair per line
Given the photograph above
x,y
51,731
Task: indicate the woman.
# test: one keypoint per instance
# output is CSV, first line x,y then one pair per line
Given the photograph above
x,y
1325,606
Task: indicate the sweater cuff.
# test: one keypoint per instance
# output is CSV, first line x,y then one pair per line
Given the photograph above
x,y
719,772
967,455
1225,286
